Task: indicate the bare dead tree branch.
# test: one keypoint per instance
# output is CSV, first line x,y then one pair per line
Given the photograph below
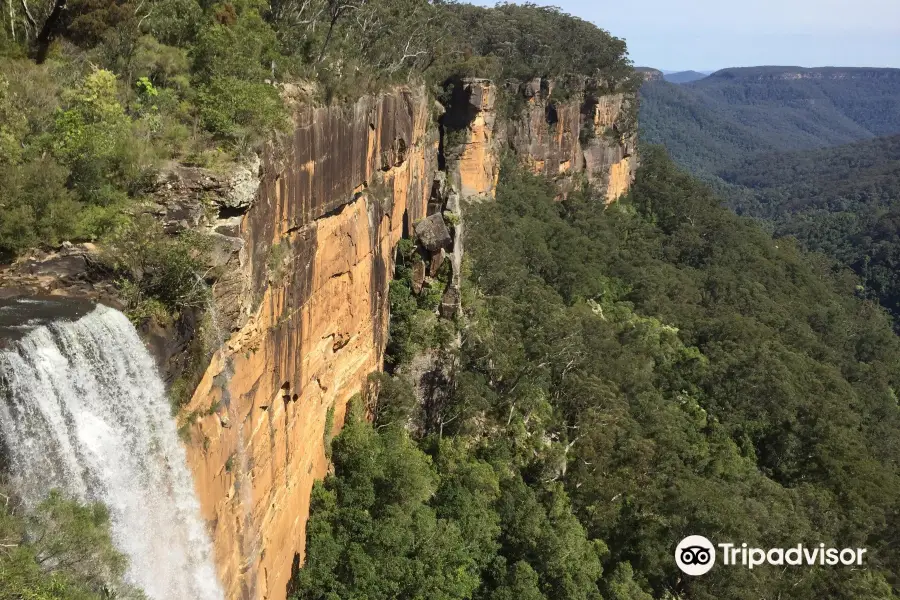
x,y
32,24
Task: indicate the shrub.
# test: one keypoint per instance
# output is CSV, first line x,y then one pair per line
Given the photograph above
x,y
236,110
157,271
329,431
94,137
60,549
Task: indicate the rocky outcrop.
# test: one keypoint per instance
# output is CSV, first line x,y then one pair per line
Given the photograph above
x,y
70,271
585,132
432,234
306,312
470,141
649,74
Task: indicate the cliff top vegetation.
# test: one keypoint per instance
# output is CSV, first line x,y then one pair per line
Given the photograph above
x,y
95,95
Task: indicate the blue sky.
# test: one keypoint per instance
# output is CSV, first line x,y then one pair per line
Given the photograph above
x,y
713,34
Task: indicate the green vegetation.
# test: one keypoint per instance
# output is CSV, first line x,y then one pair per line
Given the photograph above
x,y
95,98
762,139
521,42
737,113
328,434
159,276
843,201
275,265
414,323
59,551
626,377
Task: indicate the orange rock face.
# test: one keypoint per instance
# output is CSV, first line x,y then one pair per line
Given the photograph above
x,y
305,301
550,136
621,175
561,138
317,259
478,166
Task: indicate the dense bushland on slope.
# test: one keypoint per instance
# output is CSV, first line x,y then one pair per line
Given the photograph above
x,y
626,377
735,130
843,201
61,550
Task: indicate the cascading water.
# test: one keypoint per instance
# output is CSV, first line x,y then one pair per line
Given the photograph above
x,y
83,409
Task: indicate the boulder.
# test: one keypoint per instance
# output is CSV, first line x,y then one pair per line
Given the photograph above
x,y
182,214
418,276
450,302
433,233
222,248
437,259
59,266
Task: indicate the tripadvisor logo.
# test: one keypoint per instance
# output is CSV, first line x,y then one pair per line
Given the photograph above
x,y
696,555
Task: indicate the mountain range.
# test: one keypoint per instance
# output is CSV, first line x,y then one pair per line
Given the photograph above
x,y
813,153
738,112
683,76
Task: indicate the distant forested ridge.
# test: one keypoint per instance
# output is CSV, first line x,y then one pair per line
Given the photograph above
x,y
683,76
735,113
811,151
843,201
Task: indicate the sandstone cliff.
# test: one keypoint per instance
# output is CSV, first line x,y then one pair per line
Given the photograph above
x,y
587,132
302,308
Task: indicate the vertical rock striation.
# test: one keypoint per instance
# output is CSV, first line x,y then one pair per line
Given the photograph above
x,y
301,310
305,307
587,131
473,156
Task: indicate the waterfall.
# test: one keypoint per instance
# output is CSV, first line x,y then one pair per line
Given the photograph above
x,y
83,409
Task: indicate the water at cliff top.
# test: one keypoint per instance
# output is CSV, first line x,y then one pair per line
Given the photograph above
x,y
84,410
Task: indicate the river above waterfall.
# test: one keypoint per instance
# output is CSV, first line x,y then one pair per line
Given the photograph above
x,y
84,410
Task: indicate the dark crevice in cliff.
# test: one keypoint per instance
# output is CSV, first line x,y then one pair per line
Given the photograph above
x,y
459,114
332,212
379,279
229,212
551,115
441,154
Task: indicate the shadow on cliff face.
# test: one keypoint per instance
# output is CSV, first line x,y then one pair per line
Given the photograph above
x,y
295,571
379,282
295,282
458,116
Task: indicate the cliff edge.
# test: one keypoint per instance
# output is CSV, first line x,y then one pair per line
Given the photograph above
x,y
302,308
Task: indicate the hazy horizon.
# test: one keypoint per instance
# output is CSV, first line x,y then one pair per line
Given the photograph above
x,y
708,35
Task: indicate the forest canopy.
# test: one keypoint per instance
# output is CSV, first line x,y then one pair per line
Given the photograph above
x,y
626,377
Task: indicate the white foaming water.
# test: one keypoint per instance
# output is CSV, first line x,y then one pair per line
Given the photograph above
x,y
83,410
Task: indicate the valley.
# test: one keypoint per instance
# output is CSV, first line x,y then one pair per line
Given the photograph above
x,y
810,152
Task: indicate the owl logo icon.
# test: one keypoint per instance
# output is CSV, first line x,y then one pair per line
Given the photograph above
x,y
695,555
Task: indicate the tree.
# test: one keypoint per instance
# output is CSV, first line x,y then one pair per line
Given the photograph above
x,y
61,550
